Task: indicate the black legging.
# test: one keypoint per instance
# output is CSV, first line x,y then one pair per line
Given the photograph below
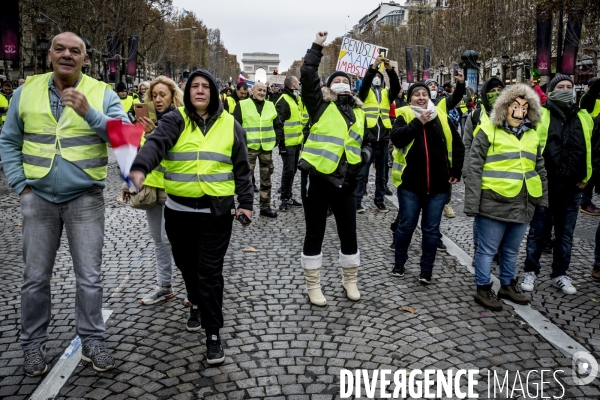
x,y
317,196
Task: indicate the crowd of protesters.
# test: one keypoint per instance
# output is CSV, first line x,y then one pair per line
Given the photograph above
x,y
529,160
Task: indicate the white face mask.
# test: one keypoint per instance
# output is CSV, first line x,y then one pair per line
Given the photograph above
x,y
376,81
433,95
338,88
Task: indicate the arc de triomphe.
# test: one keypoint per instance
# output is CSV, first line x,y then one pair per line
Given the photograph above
x,y
253,61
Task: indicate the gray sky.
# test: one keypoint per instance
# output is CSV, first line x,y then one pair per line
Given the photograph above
x,y
283,27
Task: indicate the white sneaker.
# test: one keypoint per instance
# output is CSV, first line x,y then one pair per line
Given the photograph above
x,y
448,211
528,281
563,282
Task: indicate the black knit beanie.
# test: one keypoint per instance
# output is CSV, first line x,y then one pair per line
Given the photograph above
x,y
337,73
414,86
121,87
556,79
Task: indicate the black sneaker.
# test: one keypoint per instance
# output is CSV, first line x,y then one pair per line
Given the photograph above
x,y
279,190
388,192
97,355
425,277
35,364
283,206
360,209
398,270
441,245
214,350
193,323
393,245
381,207
294,203
268,212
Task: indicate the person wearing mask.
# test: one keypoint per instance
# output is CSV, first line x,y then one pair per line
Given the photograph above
x,y
565,134
264,131
142,89
126,101
55,156
240,93
377,102
447,103
506,181
428,159
329,164
164,96
206,163
289,112
491,89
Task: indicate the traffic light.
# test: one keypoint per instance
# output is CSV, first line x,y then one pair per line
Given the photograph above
x,y
275,72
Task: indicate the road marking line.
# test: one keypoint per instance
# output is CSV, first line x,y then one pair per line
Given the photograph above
x,y
63,368
552,333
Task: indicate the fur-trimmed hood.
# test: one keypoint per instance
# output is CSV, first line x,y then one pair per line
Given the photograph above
x,y
508,95
330,95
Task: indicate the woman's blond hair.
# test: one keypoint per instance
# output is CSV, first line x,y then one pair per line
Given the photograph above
x,y
175,91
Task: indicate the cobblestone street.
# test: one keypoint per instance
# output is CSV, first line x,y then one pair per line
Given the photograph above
x,y
278,345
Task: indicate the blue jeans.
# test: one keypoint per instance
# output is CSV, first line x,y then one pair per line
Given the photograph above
x,y
564,209
156,226
380,157
43,222
502,237
411,205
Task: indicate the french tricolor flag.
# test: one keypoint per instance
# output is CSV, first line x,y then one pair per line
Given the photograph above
x,y
125,141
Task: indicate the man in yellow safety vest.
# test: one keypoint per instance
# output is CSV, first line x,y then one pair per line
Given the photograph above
x,y
55,156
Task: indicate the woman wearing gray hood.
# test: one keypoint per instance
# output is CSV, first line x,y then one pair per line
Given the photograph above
x,y
506,181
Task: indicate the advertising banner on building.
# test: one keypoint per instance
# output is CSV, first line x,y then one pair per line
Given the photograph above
x,y
571,45
544,42
409,65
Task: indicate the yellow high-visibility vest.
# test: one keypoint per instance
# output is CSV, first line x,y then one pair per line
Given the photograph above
x,y
292,127
588,126
400,154
200,163
510,162
259,127
375,110
71,136
329,138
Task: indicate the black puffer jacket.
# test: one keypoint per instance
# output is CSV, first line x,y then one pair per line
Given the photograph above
x,y
316,101
427,168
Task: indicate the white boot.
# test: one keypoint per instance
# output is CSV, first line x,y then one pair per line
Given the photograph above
x,y
312,276
349,264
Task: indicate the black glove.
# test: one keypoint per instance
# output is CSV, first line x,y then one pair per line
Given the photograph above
x,y
365,154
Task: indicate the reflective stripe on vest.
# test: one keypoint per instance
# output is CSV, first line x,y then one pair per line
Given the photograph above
x,y
71,136
292,127
374,110
156,177
510,161
463,106
400,154
588,126
330,137
199,163
259,127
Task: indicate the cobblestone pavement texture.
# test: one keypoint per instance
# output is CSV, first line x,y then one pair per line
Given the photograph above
x,y
278,346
